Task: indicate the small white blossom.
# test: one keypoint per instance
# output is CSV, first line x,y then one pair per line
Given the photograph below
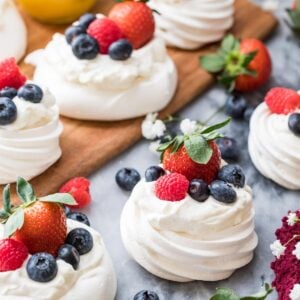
x,y
187,126
270,5
153,128
153,147
292,219
277,248
296,252
295,292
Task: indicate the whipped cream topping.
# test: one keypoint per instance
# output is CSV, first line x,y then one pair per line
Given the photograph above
x,y
187,240
190,24
274,149
95,278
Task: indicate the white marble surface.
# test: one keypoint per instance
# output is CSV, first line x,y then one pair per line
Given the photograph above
x,y
271,202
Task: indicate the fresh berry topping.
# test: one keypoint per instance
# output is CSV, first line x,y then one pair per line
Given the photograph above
x,y
42,267
10,74
73,31
248,113
282,100
86,19
81,239
79,217
8,111
222,191
70,255
12,255
229,148
105,32
294,123
120,50
171,187
8,92
198,190
85,47
146,295
153,173
127,178
79,188
232,174
135,20
31,92
235,106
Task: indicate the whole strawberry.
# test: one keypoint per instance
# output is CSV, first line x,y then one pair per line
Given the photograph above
x,y
243,66
135,20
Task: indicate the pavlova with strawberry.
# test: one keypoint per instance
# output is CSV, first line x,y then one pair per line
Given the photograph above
x,y
108,68
190,218
274,140
49,253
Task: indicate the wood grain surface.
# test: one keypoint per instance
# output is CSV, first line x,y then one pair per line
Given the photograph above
x,y
87,146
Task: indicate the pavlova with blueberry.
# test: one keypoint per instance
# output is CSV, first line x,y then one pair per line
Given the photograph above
x,y
108,68
190,218
29,125
48,253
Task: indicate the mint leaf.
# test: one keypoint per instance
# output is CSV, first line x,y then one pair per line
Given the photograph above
x,y
213,63
262,295
225,294
62,198
165,146
25,190
6,199
216,126
229,43
14,222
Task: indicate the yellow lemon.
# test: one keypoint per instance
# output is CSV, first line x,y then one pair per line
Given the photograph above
x,y
56,11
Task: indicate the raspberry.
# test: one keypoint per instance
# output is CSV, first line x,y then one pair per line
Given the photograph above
x,y
105,31
79,188
12,254
171,187
10,74
282,100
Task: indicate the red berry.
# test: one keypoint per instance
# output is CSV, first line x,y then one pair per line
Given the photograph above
x,y
12,254
171,187
105,31
79,188
282,100
10,74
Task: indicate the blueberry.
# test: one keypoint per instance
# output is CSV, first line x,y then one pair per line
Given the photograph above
x,y
235,106
127,178
146,295
81,239
85,47
67,210
79,217
8,111
73,31
229,148
42,267
294,123
153,173
222,191
86,19
232,174
8,92
120,50
199,190
248,113
70,255
31,92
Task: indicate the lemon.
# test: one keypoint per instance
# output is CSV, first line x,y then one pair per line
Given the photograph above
x,y
56,11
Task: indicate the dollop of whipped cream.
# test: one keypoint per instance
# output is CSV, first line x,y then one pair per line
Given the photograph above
x,y
187,240
95,278
190,24
274,149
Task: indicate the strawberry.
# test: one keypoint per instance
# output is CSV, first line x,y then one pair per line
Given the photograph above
x,y
10,74
105,31
171,187
12,255
135,20
282,100
243,66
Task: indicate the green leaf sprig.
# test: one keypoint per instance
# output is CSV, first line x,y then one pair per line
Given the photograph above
x,y
13,217
293,17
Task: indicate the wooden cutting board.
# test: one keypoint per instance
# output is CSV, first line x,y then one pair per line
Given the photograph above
x,y
87,146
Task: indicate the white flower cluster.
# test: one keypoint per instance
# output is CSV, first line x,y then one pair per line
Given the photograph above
x,y
295,292
277,248
188,126
153,128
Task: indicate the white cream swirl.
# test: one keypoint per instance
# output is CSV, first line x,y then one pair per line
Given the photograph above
x,y
187,240
190,24
95,278
274,149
